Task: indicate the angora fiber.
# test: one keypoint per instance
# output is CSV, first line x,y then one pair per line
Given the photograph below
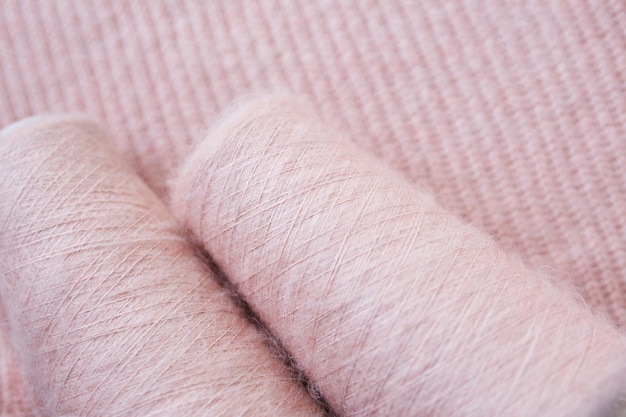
x,y
111,311
392,305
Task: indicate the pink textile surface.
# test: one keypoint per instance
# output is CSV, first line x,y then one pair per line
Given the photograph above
x,y
511,113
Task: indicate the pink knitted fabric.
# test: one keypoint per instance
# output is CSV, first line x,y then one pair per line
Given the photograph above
x,y
512,113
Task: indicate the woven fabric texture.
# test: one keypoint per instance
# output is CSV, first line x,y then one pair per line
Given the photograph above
x,y
511,112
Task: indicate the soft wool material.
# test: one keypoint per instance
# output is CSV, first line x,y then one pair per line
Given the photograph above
x,y
111,311
392,305
512,113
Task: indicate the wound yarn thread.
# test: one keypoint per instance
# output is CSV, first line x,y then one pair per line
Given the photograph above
x,y
392,305
111,311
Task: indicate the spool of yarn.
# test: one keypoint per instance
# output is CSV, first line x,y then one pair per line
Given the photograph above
x,y
111,311
391,304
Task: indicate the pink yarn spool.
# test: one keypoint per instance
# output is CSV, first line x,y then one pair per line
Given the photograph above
x,y
393,306
111,311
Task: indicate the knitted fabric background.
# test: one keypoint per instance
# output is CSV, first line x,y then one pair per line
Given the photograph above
x,y
512,112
